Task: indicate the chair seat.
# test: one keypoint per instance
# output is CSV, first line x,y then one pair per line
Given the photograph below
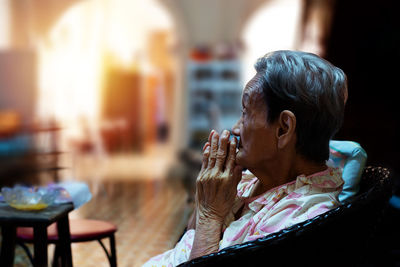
x,y
81,230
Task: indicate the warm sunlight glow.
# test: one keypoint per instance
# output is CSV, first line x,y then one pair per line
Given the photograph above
x,y
70,65
273,27
129,23
73,56
4,24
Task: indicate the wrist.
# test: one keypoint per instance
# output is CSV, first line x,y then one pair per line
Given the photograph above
x,y
207,237
209,223
207,216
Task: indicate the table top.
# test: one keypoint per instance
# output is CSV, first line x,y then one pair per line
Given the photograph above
x,y
9,215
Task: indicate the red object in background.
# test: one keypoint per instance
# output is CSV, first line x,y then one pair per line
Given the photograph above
x,y
201,53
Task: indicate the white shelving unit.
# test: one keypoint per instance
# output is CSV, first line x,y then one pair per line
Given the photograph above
x,y
214,97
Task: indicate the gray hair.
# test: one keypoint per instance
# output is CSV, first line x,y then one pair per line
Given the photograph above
x,y
312,88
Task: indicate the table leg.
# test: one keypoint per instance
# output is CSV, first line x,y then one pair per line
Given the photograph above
x,y
40,245
113,252
64,239
8,245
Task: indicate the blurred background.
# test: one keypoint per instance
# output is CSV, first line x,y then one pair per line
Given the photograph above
x,y
121,94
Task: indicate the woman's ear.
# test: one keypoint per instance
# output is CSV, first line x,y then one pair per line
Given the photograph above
x,y
286,131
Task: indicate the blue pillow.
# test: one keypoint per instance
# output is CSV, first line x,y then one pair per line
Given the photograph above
x,y
351,157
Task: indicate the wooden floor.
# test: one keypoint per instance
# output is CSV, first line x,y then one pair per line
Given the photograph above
x,y
150,216
151,213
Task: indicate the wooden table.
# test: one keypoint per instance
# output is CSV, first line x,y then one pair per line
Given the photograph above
x,y
11,218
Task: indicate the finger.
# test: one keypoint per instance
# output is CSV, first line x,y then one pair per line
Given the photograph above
x,y
205,146
237,174
210,136
213,150
222,150
230,161
206,154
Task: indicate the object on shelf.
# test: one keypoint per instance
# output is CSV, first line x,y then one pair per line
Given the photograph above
x,y
214,97
201,53
10,122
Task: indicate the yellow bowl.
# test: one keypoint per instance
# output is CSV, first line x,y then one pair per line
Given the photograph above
x,y
38,206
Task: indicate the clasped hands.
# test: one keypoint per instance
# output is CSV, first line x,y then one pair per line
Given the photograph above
x,y
216,184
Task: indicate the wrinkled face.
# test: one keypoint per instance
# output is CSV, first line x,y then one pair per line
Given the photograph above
x,y
257,137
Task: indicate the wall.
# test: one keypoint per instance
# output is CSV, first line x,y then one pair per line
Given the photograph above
x,y
18,89
211,21
365,43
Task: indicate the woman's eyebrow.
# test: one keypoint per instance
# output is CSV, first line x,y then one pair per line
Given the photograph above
x,y
245,99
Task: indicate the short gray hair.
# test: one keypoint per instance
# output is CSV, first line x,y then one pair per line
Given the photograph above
x,y
312,88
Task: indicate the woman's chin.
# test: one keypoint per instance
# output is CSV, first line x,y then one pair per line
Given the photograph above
x,y
239,158
242,159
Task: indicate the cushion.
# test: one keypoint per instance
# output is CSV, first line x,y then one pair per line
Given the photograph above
x,y
351,158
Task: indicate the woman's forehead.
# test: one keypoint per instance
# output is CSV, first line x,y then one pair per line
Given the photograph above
x,y
252,94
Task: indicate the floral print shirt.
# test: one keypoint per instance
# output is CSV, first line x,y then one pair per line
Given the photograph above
x,y
276,209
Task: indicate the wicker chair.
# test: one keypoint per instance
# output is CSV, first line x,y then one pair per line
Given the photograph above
x,y
344,236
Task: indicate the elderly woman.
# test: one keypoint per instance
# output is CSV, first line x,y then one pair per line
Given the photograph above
x,y
292,107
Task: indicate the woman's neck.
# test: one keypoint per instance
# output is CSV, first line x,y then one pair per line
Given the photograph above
x,y
283,172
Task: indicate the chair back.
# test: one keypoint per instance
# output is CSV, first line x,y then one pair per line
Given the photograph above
x,y
343,236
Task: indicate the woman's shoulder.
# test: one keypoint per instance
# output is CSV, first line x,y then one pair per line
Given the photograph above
x,y
331,178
